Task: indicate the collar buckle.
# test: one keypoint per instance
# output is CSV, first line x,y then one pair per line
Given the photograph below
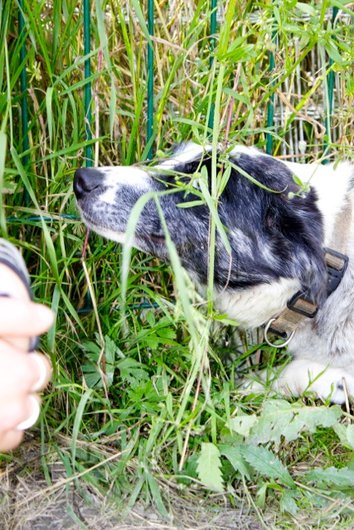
x,y
299,303
337,264
299,307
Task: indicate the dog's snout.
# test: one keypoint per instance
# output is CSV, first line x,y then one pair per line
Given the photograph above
x,y
86,180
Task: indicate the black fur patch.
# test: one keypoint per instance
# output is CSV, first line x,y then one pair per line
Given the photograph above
x,y
272,235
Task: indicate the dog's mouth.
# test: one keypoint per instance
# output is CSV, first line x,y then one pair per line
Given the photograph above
x,y
101,230
147,242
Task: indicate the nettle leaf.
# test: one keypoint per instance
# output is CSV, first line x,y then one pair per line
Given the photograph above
x,y
281,418
331,476
346,434
209,467
242,424
287,502
234,456
267,464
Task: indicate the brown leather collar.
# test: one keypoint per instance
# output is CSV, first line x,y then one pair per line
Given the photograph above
x,y
299,307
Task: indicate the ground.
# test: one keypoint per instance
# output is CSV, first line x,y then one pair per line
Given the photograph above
x,y
28,502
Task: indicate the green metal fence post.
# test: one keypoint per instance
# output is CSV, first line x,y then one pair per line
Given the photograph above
x,y
88,114
150,81
24,89
270,109
87,89
270,106
23,81
213,29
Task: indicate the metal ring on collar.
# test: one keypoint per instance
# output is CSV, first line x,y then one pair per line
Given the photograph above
x,y
272,344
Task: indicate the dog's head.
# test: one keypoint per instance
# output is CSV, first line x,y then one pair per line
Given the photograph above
x,y
274,231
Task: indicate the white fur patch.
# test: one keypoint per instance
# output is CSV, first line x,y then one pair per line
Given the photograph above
x,y
243,149
331,183
127,175
327,382
186,152
116,176
254,306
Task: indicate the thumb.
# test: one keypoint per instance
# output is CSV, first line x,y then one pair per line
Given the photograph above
x,y
23,318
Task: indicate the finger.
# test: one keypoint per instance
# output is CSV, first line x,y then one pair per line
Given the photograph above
x,y
23,318
19,413
30,420
21,373
9,440
41,371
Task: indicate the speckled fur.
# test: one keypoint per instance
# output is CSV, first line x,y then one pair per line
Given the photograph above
x,y
277,244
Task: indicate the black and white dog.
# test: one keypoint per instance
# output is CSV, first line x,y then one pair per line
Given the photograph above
x,y
277,231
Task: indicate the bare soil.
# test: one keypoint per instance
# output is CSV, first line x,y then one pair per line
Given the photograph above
x,y
29,500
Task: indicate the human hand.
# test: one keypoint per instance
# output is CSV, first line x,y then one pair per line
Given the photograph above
x,y
22,374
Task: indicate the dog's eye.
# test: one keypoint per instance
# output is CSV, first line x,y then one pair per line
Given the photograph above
x,y
159,239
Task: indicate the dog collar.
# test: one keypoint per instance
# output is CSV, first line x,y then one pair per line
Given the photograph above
x,y
299,307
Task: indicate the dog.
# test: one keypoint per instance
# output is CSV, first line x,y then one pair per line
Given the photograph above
x,y
289,263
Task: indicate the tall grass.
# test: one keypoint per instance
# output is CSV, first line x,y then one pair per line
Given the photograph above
x,y
144,386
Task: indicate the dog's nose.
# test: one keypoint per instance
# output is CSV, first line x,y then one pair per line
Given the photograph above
x,y
86,179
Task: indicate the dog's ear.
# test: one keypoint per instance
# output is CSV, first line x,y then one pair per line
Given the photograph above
x,y
296,226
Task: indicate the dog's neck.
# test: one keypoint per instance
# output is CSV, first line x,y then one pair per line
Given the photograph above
x,y
299,308
253,307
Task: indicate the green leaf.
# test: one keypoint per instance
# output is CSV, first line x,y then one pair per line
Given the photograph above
x,y
91,371
208,467
287,502
333,52
225,319
141,18
156,495
243,424
132,372
267,464
92,377
307,9
166,332
110,351
190,204
281,418
214,212
331,476
345,434
261,496
234,456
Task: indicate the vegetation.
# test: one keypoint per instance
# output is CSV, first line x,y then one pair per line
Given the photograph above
x,y
147,393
